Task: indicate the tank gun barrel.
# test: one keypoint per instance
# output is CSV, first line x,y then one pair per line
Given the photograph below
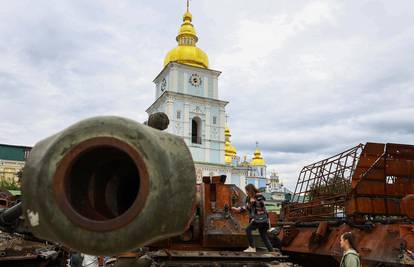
x,y
10,215
108,185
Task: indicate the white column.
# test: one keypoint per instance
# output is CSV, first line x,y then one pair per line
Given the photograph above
x,y
215,88
221,133
169,109
157,91
185,85
205,91
207,146
186,122
174,79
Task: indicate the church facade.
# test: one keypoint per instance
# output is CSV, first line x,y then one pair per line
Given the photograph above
x,y
187,90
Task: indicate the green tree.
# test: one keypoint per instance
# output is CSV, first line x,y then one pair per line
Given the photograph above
x,y
9,184
333,186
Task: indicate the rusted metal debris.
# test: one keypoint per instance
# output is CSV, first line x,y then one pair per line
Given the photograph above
x,y
77,191
383,182
214,226
367,190
76,178
322,187
17,250
20,248
222,258
7,199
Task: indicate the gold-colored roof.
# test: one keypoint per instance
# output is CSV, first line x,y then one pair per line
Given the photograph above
x,y
186,52
229,150
257,158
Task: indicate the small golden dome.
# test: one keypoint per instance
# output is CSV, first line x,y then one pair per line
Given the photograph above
x,y
227,133
257,158
229,150
186,52
187,16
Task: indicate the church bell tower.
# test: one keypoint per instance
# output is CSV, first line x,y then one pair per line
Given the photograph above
x,y
187,91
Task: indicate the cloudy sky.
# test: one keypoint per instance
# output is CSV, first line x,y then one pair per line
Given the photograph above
x,y
306,79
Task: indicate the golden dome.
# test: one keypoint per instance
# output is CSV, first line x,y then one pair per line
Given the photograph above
x,y
257,158
229,150
186,52
189,55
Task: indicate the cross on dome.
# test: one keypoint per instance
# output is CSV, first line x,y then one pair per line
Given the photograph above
x,y
187,52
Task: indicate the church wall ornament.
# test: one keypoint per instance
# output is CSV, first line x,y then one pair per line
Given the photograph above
x,y
214,133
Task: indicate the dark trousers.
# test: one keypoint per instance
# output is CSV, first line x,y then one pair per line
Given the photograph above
x,y
262,227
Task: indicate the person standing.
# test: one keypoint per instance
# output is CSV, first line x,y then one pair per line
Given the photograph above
x,y
258,217
351,256
75,259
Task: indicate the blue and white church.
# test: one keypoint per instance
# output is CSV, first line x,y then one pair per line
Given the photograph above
x,y
187,90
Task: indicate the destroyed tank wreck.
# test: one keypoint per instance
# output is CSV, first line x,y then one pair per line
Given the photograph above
x,y
109,185
18,247
367,190
100,187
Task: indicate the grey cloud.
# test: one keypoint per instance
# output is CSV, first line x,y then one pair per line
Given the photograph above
x,y
285,144
399,120
304,79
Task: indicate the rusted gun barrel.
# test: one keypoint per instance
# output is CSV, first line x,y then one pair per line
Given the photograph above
x,y
107,185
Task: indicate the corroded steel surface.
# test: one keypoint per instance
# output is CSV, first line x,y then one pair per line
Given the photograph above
x,y
15,250
383,177
221,227
382,243
214,225
7,200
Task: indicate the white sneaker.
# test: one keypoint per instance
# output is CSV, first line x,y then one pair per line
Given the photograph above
x,y
250,249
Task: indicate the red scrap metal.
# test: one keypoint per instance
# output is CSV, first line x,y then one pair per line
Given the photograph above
x,y
322,187
368,190
383,182
213,224
7,199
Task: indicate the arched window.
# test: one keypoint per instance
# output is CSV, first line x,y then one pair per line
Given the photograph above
x,y
196,130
